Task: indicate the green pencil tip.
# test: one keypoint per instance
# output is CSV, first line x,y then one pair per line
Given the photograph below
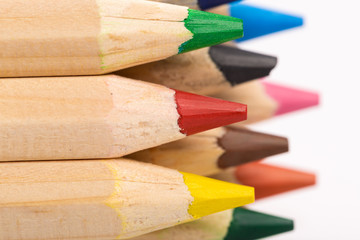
x,y
210,29
247,224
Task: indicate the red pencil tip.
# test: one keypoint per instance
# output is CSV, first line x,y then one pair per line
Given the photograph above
x,y
291,99
199,113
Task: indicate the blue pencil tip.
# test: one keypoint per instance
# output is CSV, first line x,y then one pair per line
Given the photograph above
x,y
259,21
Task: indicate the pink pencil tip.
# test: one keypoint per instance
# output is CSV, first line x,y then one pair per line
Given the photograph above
x,y
290,99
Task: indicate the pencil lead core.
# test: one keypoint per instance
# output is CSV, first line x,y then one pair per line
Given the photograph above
x,y
199,113
211,195
290,99
254,225
243,146
261,21
270,180
239,66
210,29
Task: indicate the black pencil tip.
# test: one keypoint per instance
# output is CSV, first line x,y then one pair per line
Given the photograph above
x,y
240,66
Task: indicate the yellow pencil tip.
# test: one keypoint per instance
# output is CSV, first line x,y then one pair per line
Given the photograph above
x,y
211,195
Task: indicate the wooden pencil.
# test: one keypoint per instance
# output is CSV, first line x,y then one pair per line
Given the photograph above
x,y
105,199
100,116
267,179
212,151
267,100
289,99
233,224
205,71
87,37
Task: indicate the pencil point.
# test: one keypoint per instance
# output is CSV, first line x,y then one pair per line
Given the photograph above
x,y
259,22
210,29
240,66
270,180
206,4
291,99
243,146
211,195
247,224
199,113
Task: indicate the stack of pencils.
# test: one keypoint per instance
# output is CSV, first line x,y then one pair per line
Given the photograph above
x,y
126,119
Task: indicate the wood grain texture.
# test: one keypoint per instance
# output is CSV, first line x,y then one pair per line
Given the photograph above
x,y
210,227
196,154
83,117
192,72
89,199
43,38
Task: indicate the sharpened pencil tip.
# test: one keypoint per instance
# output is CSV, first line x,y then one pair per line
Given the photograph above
x,y
254,225
269,180
210,29
199,113
259,21
239,66
211,195
290,99
243,146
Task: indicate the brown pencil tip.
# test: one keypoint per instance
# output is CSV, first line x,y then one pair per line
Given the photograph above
x,y
243,146
200,113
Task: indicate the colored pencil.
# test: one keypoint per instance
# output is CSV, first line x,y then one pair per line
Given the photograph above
x,y
87,37
196,4
233,224
255,225
105,199
267,100
290,99
212,151
268,180
259,21
100,116
205,71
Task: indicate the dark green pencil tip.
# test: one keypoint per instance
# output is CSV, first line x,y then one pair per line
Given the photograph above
x,y
247,224
210,29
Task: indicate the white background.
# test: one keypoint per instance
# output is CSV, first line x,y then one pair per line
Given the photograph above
x,y
323,55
